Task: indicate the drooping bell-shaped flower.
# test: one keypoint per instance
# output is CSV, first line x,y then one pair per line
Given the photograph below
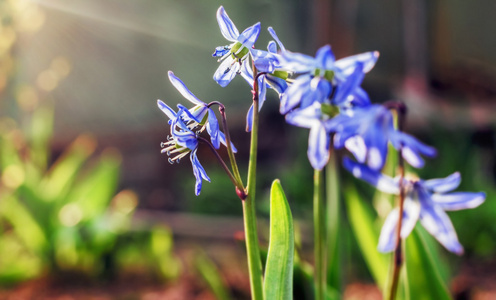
x,y
186,126
182,141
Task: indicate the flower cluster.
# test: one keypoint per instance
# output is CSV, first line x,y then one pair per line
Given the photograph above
x,y
324,95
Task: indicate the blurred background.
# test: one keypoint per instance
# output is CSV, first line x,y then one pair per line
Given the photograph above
x,y
86,196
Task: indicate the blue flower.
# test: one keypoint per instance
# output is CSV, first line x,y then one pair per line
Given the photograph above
x,y
426,200
321,74
203,116
366,133
183,141
267,62
319,139
200,111
233,56
186,127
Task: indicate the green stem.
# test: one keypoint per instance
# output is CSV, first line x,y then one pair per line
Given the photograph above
x,y
319,235
249,215
222,163
333,203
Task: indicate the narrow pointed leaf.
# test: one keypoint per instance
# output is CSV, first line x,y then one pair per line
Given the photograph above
x,y
361,219
63,173
278,282
424,279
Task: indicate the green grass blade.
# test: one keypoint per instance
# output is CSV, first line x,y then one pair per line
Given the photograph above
x,y
63,173
361,218
94,191
424,279
278,283
210,273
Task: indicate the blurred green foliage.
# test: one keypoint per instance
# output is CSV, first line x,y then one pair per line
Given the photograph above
x,y
67,215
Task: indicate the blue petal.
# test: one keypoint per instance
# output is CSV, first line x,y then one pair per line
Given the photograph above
x,y
357,147
226,71
458,201
249,119
387,239
250,35
181,87
227,27
360,97
382,182
166,109
223,141
292,97
320,89
325,58
274,36
198,171
348,87
272,47
264,61
344,128
296,62
412,148
221,51
307,117
213,128
247,72
318,146
347,65
262,91
443,185
438,224
179,121
278,84
376,141
189,115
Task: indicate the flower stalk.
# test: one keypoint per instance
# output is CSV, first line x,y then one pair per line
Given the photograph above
x,y
221,161
238,181
319,235
249,213
400,109
333,221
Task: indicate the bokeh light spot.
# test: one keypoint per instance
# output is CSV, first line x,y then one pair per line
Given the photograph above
x,y
13,176
70,215
126,201
61,66
47,80
27,98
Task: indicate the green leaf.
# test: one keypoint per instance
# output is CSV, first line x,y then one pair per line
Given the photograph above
x,y
93,193
210,273
40,134
424,279
334,277
278,282
24,224
361,218
63,173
